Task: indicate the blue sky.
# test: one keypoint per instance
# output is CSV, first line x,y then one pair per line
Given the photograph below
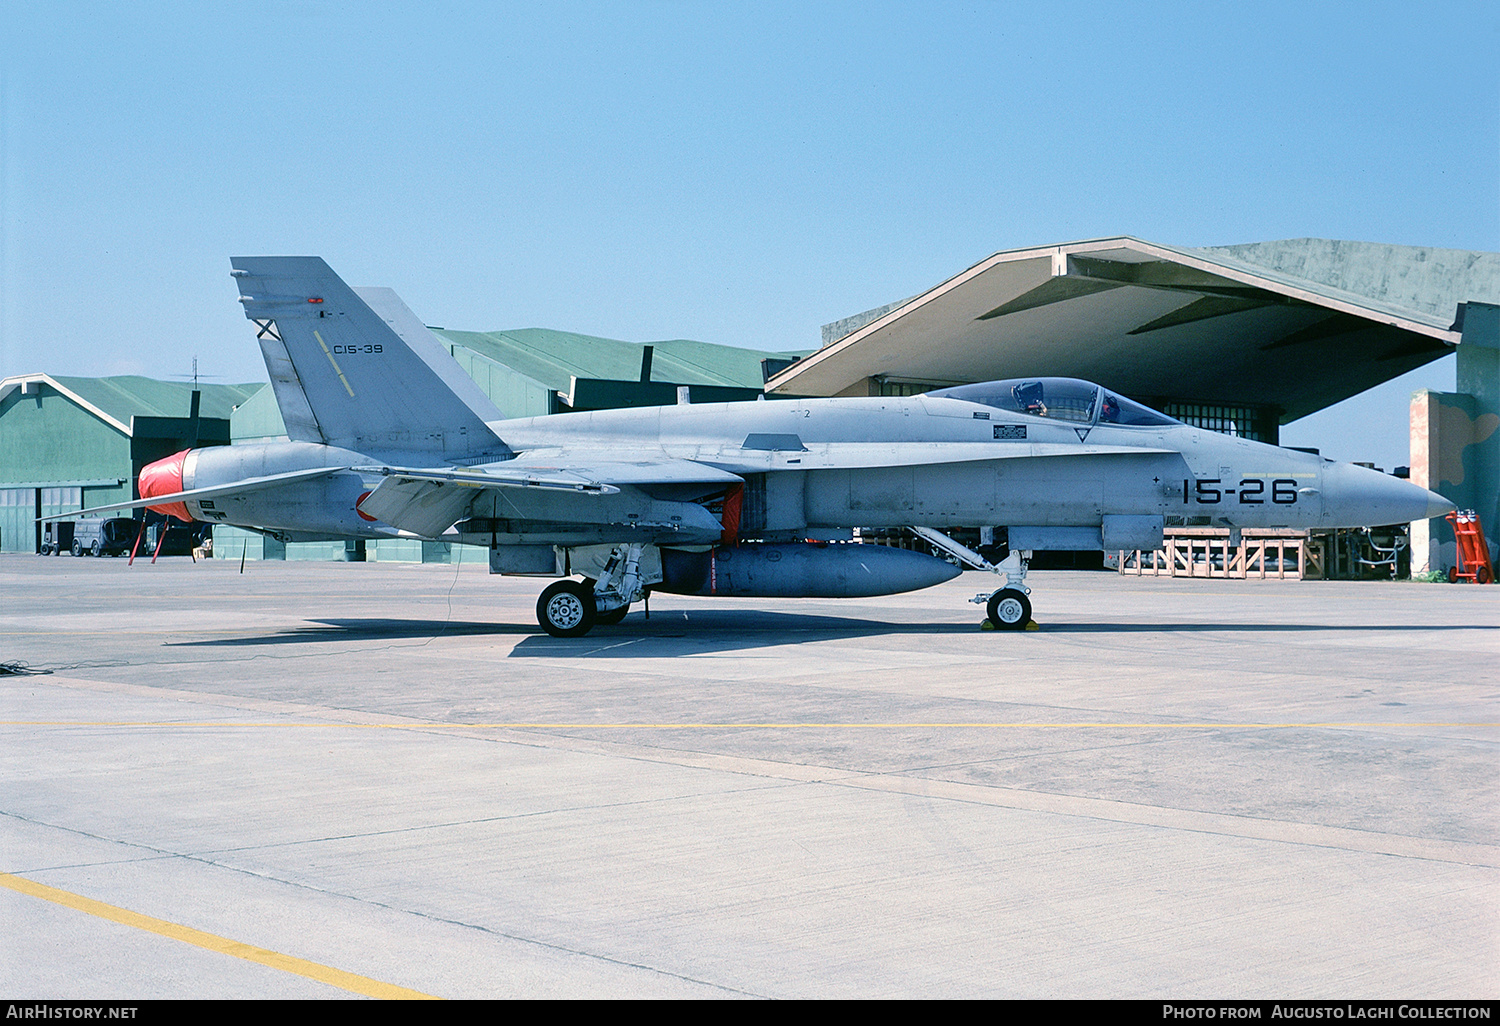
x,y
736,173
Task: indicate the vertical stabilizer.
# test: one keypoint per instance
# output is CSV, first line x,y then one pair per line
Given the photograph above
x,y
359,370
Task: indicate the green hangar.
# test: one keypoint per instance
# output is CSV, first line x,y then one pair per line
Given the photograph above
x,y
70,443
67,443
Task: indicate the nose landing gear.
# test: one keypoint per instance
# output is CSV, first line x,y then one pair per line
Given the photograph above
x,y
1009,609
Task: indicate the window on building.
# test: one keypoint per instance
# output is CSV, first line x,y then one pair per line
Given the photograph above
x,y
1239,421
58,497
905,388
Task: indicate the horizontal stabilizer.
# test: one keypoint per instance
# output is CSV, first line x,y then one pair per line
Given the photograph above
x,y
423,507
428,502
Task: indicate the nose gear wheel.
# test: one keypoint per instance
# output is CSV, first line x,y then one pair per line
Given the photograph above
x,y
1009,609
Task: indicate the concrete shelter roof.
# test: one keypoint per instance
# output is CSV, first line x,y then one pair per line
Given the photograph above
x,y
1297,325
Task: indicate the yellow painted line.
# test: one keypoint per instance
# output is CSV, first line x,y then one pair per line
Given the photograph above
x,y
202,724
286,963
48,634
309,626
336,368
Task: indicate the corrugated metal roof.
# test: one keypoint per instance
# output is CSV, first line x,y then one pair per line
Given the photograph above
x,y
554,358
130,395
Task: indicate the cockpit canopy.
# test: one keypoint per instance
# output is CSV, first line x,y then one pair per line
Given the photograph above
x,y
1069,399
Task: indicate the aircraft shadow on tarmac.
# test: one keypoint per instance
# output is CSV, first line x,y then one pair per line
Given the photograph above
x,y
729,629
715,629
355,629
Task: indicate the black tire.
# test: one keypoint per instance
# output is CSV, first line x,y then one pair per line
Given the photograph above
x,y
77,548
612,617
94,549
46,549
566,609
1482,575
1010,610
1453,575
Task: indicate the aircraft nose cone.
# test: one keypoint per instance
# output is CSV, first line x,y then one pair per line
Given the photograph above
x,y
1360,497
164,477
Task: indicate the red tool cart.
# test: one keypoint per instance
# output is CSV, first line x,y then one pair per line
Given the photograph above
x,y
1473,550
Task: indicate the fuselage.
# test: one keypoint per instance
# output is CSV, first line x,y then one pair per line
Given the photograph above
x,y
852,462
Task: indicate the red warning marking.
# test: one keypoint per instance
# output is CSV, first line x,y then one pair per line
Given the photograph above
x,y
163,478
734,499
362,514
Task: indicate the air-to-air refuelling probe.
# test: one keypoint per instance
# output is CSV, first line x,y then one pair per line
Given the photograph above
x,y
389,438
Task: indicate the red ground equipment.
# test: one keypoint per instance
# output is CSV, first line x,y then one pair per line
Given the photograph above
x,y
1473,550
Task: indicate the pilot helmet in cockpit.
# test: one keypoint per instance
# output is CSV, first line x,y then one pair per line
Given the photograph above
x,y
1028,396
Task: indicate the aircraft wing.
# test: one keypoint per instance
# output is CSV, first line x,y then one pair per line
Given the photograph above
x,y
429,501
252,484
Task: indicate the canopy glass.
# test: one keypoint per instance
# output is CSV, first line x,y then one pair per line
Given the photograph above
x,y
1069,399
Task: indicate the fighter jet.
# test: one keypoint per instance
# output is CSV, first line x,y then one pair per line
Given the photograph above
x,y
387,437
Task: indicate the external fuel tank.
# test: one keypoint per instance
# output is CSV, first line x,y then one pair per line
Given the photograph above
x,y
801,570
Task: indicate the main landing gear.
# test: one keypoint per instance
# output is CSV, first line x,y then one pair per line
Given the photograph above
x,y
567,610
570,609
612,617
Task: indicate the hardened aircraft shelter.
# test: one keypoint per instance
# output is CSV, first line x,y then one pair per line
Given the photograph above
x,y
1234,338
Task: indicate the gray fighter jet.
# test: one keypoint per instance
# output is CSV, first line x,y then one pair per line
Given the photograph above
x,y
389,438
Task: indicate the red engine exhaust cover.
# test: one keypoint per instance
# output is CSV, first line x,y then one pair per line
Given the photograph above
x,y
164,477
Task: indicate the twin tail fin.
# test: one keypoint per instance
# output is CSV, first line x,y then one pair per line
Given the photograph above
x,y
357,369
